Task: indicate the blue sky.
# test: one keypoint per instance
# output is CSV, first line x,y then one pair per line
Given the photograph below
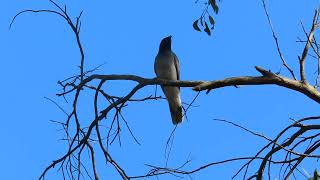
x,y
40,49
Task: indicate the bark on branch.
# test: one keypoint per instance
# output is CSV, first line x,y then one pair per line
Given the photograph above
x,y
266,78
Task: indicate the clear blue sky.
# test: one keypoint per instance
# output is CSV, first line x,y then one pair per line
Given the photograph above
x,y
40,50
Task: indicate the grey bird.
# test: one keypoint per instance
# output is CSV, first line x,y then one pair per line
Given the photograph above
x,y
167,66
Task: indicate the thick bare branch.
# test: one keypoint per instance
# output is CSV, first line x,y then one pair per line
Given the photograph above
x,y
266,78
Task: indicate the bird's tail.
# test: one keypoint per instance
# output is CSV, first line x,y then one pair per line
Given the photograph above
x,y
176,113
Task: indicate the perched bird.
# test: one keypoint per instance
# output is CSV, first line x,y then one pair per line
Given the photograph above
x,y
167,66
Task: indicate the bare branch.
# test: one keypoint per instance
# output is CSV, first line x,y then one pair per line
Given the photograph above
x,y
284,63
303,57
266,78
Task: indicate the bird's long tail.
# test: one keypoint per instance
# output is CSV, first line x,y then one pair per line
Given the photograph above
x,y
174,100
176,113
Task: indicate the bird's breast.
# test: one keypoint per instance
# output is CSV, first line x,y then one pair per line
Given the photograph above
x,y
165,68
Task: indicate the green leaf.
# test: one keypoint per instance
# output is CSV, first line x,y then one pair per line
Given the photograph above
x,y
211,21
216,9
206,29
214,6
195,25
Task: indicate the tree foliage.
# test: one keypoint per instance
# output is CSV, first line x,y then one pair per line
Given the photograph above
x,y
206,21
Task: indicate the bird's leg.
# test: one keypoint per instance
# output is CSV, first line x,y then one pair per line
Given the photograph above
x,y
155,92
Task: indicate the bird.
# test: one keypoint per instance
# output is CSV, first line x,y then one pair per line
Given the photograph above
x,y
167,66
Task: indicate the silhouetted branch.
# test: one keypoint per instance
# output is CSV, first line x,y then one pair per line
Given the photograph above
x,y
284,63
263,159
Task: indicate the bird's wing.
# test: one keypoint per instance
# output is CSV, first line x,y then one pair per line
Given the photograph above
x,y
155,65
177,65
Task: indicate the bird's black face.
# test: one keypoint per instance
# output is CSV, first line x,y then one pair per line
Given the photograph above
x,y
165,44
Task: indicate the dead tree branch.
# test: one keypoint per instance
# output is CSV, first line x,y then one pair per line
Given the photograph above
x,y
303,57
284,62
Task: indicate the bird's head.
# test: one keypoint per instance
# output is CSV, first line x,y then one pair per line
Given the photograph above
x,y
165,44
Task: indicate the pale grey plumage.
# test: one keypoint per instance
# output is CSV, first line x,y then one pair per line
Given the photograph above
x,y
167,66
